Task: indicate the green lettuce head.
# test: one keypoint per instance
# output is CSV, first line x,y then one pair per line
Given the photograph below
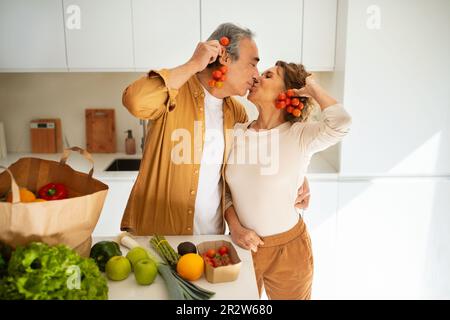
x,y
40,272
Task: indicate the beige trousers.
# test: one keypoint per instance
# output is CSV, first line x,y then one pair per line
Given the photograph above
x,y
284,265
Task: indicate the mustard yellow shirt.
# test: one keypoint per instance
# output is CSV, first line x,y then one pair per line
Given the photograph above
x,y
162,200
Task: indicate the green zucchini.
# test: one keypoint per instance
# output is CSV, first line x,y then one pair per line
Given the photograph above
x,y
102,251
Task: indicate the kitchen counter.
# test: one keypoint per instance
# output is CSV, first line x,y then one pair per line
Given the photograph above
x,y
243,288
79,163
121,183
319,168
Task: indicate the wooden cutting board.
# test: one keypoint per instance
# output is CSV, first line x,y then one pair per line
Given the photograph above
x,y
100,131
45,138
58,133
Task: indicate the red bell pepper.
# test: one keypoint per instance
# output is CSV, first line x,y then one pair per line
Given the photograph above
x,y
53,191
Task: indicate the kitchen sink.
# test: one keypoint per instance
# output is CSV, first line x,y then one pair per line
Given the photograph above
x,y
124,165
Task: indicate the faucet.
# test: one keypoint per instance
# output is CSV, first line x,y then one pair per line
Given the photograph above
x,y
144,133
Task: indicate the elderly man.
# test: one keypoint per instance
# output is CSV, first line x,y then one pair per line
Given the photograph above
x,y
183,197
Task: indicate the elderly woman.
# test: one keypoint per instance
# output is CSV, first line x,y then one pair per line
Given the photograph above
x,y
259,212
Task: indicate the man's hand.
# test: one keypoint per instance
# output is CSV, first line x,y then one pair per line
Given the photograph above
x,y
246,238
205,53
303,196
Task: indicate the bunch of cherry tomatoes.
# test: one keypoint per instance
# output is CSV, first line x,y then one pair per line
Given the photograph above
x,y
217,258
219,75
287,100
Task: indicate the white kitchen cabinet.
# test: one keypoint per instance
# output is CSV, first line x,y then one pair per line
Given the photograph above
x,y
277,26
104,39
166,33
32,36
114,207
393,239
319,34
320,219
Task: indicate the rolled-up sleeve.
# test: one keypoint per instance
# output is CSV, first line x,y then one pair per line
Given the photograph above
x,y
332,128
149,97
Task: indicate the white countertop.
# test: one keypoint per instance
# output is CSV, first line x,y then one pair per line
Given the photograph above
x,y
243,288
79,163
319,168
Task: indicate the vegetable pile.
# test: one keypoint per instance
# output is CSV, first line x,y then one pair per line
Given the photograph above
x,y
178,288
48,192
40,272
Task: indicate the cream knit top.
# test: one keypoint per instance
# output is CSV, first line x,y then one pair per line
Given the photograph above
x,y
266,167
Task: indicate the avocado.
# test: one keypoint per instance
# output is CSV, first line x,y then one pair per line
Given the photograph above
x,y
186,247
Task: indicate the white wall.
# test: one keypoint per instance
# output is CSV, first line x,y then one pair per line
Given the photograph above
x,y
392,223
397,88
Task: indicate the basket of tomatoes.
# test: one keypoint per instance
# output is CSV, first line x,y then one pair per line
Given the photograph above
x,y
222,263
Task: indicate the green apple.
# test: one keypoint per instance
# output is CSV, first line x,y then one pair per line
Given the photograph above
x,y
136,254
118,268
145,271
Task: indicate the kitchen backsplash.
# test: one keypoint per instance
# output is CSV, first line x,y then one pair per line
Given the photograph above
x,y
28,96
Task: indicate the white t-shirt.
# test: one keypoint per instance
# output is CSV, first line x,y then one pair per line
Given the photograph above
x,y
208,214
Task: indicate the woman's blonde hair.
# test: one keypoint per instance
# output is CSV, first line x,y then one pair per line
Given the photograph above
x,y
294,77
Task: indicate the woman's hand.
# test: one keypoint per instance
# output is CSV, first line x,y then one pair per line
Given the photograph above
x,y
308,89
246,238
313,90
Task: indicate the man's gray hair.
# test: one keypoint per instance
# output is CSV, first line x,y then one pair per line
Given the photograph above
x,y
235,34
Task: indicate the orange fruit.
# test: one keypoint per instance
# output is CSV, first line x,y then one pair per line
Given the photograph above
x,y
25,196
40,200
190,266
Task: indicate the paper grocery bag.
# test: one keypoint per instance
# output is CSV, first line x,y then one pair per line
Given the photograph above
x,y
69,221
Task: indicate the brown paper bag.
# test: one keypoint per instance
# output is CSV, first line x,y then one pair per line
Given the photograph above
x,y
69,221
